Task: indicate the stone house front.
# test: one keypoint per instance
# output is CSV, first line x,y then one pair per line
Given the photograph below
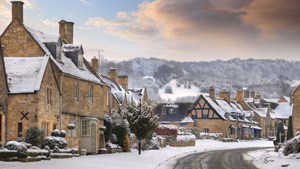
x,y
81,93
296,109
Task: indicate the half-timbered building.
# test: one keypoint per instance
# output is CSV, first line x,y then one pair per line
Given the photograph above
x,y
221,115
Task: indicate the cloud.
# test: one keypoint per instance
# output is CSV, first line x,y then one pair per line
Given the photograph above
x,y
85,2
50,23
274,20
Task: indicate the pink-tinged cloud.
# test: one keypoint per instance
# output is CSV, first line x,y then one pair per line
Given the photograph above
x,y
274,19
210,28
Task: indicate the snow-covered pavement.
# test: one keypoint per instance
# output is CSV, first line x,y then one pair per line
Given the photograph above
x,y
270,159
164,158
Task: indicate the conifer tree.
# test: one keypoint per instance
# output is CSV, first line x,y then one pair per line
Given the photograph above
x,y
290,133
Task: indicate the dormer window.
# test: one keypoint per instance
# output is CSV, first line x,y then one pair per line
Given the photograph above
x,y
80,60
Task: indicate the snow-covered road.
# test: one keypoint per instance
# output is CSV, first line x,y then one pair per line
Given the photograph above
x,y
155,159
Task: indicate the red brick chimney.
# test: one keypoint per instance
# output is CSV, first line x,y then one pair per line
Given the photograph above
x,y
17,10
66,31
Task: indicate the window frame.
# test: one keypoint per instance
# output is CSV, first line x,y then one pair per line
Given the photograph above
x,y
90,94
85,128
49,96
76,91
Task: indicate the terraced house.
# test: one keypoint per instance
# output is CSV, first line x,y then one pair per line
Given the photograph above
x,y
50,84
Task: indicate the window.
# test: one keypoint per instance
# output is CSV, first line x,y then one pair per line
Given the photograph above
x,y
45,128
80,60
49,96
107,98
164,111
85,128
206,130
58,52
205,116
76,91
90,94
19,129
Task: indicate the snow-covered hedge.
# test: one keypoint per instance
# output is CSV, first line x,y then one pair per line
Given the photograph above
x,y
210,135
185,138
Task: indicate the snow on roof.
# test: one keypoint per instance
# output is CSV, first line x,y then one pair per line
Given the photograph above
x,y
271,100
41,38
249,100
137,94
261,111
283,110
219,110
71,47
68,67
117,90
225,106
25,74
187,119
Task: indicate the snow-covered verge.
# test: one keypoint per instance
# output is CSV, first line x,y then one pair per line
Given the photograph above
x,y
268,158
159,159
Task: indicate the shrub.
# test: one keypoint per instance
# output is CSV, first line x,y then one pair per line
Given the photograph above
x,y
62,133
121,132
108,125
168,89
290,133
51,142
280,133
14,145
55,133
126,144
35,136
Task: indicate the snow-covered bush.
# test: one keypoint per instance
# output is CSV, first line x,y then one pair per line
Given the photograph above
x,y
168,89
153,144
214,136
35,136
62,133
52,141
108,124
55,133
290,146
14,145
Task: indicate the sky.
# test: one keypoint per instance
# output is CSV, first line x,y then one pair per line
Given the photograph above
x,y
182,30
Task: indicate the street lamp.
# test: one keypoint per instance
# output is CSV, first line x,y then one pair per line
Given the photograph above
x,y
139,128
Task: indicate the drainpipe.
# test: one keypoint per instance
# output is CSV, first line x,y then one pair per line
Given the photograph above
x,y
60,100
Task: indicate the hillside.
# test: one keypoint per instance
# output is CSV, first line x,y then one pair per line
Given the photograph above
x,y
271,78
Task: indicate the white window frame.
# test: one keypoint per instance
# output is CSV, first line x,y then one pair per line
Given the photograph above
x,y
80,60
85,128
90,94
58,52
76,91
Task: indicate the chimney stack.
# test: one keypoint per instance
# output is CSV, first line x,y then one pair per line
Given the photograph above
x,y
123,81
113,74
95,64
17,10
225,95
66,31
212,92
246,93
252,94
239,96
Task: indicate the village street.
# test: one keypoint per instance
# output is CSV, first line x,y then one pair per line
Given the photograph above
x,y
164,158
